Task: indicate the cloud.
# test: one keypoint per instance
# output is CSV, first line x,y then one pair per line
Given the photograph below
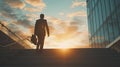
x,y
67,33
70,38
77,3
57,24
31,9
15,18
20,16
7,11
77,14
15,3
61,14
32,17
26,23
54,20
36,3
62,26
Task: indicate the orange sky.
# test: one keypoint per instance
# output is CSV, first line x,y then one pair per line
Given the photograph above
x,y
67,20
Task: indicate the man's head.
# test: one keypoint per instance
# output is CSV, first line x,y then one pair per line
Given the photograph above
x,y
42,16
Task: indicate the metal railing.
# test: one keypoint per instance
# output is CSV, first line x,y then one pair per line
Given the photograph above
x,y
14,36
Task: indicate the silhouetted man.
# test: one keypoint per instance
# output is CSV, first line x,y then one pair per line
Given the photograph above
x,y
41,28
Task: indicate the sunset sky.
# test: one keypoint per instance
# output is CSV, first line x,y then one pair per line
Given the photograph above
x,y
67,20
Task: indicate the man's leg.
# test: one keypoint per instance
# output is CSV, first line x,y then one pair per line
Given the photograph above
x,y
37,47
38,44
42,43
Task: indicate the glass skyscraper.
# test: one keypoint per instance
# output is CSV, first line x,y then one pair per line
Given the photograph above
x,y
104,23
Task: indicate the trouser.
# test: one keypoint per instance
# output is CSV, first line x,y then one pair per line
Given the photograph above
x,y
40,43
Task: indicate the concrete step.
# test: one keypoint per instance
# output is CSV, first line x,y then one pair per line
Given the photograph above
x,y
60,58
55,51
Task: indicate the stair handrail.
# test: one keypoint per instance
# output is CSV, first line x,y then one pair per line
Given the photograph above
x,y
9,30
16,42
20,39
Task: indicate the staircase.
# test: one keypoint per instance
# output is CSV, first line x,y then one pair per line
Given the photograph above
x,y
85,57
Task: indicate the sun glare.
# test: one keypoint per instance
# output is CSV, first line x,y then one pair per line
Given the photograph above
x,y
64,52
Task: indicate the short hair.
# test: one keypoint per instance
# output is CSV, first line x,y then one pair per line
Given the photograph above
x,y
41,16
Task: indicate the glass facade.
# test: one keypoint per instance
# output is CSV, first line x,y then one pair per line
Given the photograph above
x,y
103,22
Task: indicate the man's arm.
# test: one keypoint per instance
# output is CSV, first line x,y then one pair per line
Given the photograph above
x,y
47,28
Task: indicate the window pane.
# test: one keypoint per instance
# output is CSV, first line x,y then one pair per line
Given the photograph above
x,y
110,30
115,25
106,34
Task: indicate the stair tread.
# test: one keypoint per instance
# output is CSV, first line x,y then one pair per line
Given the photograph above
x,y
54,57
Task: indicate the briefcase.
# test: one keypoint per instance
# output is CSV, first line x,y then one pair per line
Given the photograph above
x,y
34,39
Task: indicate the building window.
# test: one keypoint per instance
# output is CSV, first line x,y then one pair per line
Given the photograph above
x,y
106,34
117,3
100,13
96,17
118,18
110,30
112,5
115,25
102,41
107,4
103,10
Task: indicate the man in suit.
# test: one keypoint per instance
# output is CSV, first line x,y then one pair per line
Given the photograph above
x,y
41,29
